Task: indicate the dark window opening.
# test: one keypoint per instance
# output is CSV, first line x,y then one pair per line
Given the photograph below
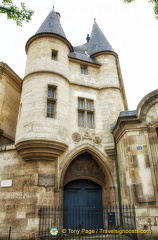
x,y
54,55
51,102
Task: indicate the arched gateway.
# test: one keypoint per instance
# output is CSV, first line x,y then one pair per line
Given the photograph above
x,y
84,189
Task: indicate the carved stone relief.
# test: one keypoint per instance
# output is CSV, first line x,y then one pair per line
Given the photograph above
x,y
77,137
84,166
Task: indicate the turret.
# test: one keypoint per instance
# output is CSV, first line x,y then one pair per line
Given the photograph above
x,y
101,75
44,107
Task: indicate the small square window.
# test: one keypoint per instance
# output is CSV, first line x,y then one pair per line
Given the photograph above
x,y
54,55
51,92
84,70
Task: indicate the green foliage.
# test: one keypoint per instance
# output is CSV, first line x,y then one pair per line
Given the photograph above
x,y
18,14
154,2
128,1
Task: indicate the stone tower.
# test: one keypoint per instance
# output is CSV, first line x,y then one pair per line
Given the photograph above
x,y
46,77
55,75
73,116
71,96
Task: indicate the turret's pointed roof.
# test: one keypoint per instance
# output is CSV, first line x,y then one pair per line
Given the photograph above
x,y
52,25
97,42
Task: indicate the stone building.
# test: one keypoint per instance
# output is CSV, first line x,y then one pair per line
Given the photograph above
x,y
66,130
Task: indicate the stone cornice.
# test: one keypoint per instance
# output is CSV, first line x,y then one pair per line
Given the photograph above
x,y
104,53
12,77
70,82
40,149
7,147
146,103
46,71
127,124
48,35
71,59
109,150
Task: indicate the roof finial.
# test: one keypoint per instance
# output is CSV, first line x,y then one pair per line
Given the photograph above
x,y
53,5
88,38
94,19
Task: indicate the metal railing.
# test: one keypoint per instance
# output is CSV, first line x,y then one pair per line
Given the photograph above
x,y
111,222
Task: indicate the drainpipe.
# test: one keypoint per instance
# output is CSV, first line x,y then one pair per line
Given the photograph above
x,y
9,233
118,182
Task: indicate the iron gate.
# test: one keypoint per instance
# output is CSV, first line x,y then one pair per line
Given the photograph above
x,y
118,223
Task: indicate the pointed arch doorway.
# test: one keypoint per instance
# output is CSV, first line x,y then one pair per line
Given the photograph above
x,y
83,193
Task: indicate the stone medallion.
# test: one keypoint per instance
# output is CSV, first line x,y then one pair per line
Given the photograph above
x,y
76,137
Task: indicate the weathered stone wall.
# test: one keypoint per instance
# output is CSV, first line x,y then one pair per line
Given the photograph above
x,y
28,185
152,114
147,219
137,145
134,168
46,147
10,91
39,56
34,100
23,191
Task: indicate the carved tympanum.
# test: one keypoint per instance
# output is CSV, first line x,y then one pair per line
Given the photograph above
x,y
84,166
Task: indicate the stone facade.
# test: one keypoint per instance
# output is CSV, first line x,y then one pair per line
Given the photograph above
x,y
10,91
137,144
49,152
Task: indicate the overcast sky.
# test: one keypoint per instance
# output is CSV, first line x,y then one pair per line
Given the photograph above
x,y
131,29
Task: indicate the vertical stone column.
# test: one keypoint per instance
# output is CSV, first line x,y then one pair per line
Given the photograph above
x,y
140,173
153,140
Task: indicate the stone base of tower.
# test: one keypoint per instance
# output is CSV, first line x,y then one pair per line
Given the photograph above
x,y
40,149
25,187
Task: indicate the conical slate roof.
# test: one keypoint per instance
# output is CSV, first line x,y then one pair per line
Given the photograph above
x,y
97,42
52,25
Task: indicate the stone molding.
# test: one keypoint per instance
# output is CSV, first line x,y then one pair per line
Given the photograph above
x,y
97,155
50,35
109,150
127,124
77,137
97,65
12,77
40,149
7,147
146,103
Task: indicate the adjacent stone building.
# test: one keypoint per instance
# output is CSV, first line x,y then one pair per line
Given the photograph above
x,y
66,127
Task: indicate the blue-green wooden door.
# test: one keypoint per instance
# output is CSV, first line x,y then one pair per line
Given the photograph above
x,y
83,205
